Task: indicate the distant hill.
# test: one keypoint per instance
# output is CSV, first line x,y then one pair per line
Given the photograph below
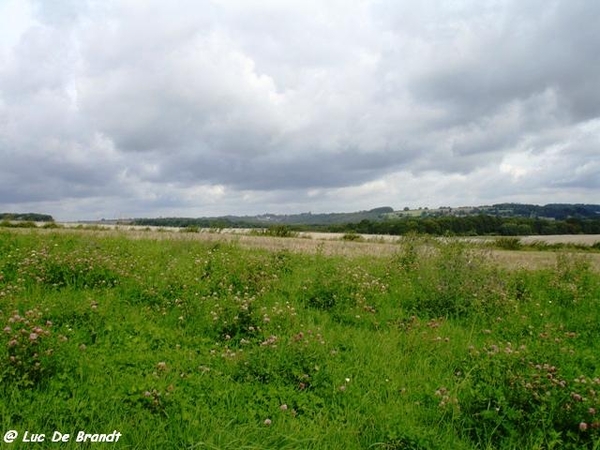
x,y
555,211
265,220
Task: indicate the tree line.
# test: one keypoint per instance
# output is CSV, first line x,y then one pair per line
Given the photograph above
x,y
477,225
27,217
472,226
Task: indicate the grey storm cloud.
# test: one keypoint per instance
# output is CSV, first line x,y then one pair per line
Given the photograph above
x,y
536,46
228,106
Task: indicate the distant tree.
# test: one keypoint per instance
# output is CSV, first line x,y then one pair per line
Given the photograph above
x,y
28,217
382,210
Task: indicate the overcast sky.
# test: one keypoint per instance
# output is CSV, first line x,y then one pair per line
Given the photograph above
x,y
145,108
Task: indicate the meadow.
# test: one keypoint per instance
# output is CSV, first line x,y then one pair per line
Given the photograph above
x,y
182,343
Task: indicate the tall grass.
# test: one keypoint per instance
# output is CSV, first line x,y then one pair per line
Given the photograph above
x,y
189,344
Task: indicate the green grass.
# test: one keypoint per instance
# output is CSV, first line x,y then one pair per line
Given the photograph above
x,y
190,344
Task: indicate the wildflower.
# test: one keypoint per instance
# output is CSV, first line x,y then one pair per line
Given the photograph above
x,y
267,422
283,407
33,337
12,343
299,336
7,329
583,426
441,392
271,340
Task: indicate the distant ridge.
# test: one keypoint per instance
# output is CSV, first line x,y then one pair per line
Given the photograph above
x,y
557,211
553,211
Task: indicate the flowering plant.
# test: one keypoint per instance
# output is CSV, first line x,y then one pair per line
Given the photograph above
x,y
28,342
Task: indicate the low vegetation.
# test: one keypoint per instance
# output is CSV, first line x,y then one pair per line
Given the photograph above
x,y
26,217
275,231
206,344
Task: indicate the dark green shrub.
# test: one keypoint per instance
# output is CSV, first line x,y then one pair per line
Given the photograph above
x,y
278,231
508,243
191,229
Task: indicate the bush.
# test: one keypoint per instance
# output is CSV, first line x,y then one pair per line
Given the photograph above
x,y
457,281
277,231
191,229
571,280
51,225
508,243
18,224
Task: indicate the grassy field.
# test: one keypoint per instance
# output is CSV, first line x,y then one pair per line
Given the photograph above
x,y
254,342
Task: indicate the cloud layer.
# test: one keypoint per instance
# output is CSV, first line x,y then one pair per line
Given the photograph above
x,y
128,108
